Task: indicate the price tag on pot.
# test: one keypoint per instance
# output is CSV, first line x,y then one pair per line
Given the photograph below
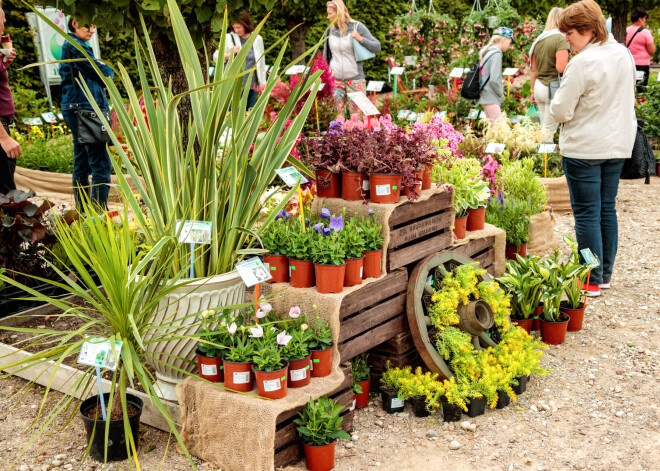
x,y
590,258
509,71
375,86
547,148
272,385
241,377
100,352
495,148
209,370
194,232
366,184
364,103
291,176
397,70
298,375
253,271
383,190
457,72
396,402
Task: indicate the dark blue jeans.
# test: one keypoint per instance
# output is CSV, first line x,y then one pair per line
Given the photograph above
x,y
251,99
593,187
88,159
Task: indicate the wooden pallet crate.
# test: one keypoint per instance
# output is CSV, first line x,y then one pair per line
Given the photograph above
x,y
288,446
419,229
482,250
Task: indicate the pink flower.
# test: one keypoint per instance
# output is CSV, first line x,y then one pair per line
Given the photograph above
x,y
283,339
257,332
266,307
294,312
260,314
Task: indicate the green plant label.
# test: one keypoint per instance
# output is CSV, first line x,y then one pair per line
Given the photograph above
x,y
291,176
194,232
253,271
100,352
589,258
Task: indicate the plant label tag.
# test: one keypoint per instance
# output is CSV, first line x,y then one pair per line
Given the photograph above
x,y
366,185
33,121
457,72
361,271
589,258
364,103
441,114
547,148
353,404
211,71
298,375
397,70
396,402
272,385
49,117
321,86
291,176
268,68
383,190
253,271
194,232
375,86
474,114
209,370
241,377
60,116
640,75
495,148
412,117
100,352
295,70
510,71
410,60
403,114
289,271
515,119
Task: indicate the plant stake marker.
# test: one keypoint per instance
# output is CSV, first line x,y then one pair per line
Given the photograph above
x,y
456,73
365,105
546,149
396,71
291,177
374,87
316,106
593,262
100,353
253,271
191,233
508,72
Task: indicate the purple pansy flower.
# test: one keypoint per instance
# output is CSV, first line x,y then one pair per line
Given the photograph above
x,y
336,224
325,213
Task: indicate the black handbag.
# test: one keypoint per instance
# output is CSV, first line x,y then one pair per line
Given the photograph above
x,y
91,129
641,163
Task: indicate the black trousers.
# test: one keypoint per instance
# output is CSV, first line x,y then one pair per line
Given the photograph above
x,y
7,168
647,70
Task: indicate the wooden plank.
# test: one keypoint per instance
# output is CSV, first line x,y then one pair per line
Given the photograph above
x,y
474,246
21,318
393,283
486,259
366,320
411,211
397,345
417,230
414,253
370,339
378,361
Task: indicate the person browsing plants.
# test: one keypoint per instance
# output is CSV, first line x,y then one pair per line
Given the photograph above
x,y
641,44
9,148
490,59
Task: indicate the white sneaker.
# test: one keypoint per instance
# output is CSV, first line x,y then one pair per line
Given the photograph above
x,y
604,286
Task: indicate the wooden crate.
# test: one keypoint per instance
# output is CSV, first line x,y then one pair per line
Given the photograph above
x,y
373,315
419,229
481,250
288,446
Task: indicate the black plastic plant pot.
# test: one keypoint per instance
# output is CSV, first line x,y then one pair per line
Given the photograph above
x,y
476,407
391,402
419,406
116,436
451,412
522,385
503,399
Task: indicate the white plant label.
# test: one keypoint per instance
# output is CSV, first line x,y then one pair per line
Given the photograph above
x,y
410,60
194,232
509,71
474,114
361,271
397,70
590,258
364,103
49,117
99,352
209,370
321,86
272,385
353,404
640,75
457,72
241,377
375,86
291,176
396,402
33,121
547,148
298,375
383,190
253,271
442,114
403,114
211,71
295,70
60,116
495,148
366,185
515,119
289,271
412,117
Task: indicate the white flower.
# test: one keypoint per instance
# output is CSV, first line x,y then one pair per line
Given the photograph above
x,y
257,332
304,327
260,314
232,328
283,339
266,307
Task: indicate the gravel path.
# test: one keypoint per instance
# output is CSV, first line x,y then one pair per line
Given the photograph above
x,y
598,409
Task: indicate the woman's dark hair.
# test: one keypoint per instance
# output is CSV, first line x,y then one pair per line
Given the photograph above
x,y
246,22
638,14
70,24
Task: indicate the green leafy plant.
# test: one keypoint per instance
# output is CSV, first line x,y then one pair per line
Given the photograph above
x,y
48,155
525,288
425,385
373,231
242,351
391,378
361,369
577,272
519,181
319,422
209,345
354,238
268,358
512,216
297,348
300,242
320,335
329,249
275,238
470,191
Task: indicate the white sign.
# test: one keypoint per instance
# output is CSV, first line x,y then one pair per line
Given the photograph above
x,y
33,121
295,70
495,148
403,114
474,114
364,103
291,176
457,72
99,352
510,71
60,116
397,70
547,148
375,86
49,117
194,232
253,271
410,60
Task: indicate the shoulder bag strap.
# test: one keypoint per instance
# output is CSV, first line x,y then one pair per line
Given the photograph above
x,y
639,30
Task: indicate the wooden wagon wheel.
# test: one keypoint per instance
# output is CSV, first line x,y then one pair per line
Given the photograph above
x,y
475,318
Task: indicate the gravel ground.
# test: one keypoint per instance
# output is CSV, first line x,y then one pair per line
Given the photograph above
x,y
598,409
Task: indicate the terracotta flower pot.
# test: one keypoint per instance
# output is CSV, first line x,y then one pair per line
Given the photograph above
x,y
272,384
328,184
352,186
329,278
319,458
554,333
210,368
238,376
460,227
372,264
385,188
321,363
417,189
576,316
279,268
301,273
511,251
476,219
426,177
524,323
354,271
299,372
538,312
362,399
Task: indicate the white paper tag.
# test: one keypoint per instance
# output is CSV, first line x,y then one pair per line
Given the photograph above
x,y
194,232
410,60
253,271
209,370
361,271
364,103
510,71
375,86
457,72
547,148
403,114
441,114
298,375
290,176
397,70
272,385
241,377
383,190
366,185
396,402
495,148
353,404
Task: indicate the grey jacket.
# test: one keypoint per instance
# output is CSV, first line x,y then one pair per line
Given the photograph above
x,y
493,92
371,43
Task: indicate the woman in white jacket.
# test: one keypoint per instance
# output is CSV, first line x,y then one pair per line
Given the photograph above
x,y
596,106
241,32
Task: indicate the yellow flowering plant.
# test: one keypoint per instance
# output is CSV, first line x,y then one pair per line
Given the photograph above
x,y
391,379
457,392
424,385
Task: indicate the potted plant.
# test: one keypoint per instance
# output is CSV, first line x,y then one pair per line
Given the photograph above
x,y
361,378
390,382
513,217
329,256
388,166
454,400
554,323
525,288
297,352
423,390
270,369
418,148
320,345
354,246
354,182
324,153
209,351
275,239
373,238
574,306
319,426
299,251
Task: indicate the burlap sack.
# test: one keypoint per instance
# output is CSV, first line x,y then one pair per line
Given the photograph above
x,y
499,265
542,237
558,197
